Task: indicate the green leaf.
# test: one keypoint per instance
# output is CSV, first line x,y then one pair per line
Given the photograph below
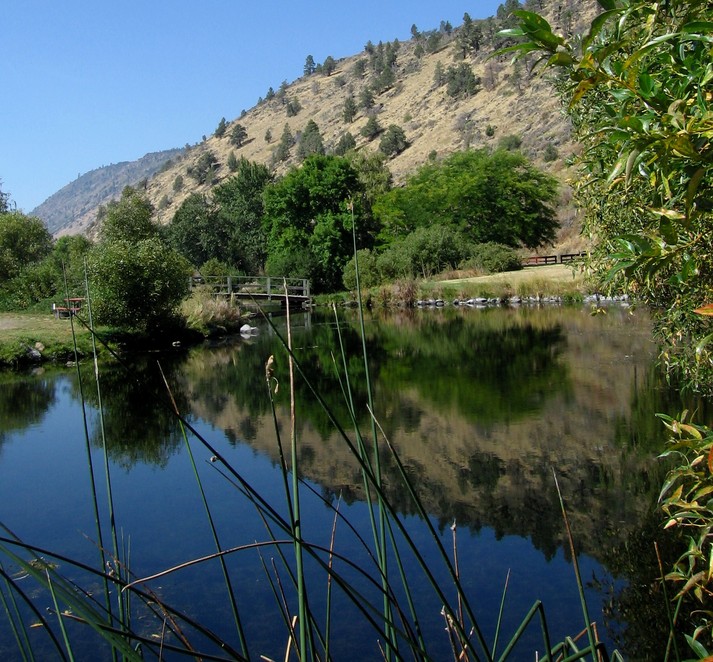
x,y
692,189
560,59
700,27
598,23
646,85
697,647
668,231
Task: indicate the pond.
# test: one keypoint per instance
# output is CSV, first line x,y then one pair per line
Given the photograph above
x,y
484,408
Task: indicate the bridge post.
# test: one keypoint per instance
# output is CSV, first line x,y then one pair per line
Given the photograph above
x,y
269,289
230,285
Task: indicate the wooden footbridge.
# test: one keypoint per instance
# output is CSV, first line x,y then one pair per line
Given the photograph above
x,y
259,289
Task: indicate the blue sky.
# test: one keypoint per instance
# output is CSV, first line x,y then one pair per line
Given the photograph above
x,y
87,84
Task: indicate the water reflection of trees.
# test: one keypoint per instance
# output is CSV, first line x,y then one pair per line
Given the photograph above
x,y
139,424
24,402
481,407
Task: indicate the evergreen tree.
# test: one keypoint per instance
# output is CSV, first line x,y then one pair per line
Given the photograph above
x,y
371,129
350,109
282,151
221,128
329,65
345,144
310,141
310,66
366,98
268,136
393,141
238,134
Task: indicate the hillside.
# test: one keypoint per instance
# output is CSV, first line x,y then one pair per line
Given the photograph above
x,y
509,102
71,209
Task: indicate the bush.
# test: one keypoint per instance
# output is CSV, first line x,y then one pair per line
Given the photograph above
x,y
492,258
368,271
510,143
550,153
214,268
137,286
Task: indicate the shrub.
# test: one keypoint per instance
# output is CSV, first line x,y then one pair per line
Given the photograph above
x,y
510,143
368,271
492,257
550,153
214,268
137,285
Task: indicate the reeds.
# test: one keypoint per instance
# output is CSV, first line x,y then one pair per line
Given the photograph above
x,y
379,589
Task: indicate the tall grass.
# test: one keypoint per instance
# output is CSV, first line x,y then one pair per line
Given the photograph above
x,y
379,589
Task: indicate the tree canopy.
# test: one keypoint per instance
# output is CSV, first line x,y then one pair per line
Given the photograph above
x,y
308,220
23,240
486,196
137,280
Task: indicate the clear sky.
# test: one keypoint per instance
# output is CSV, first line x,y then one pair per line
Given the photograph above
x,y
87,83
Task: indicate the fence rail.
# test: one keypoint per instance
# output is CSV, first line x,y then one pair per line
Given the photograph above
x,y
540,260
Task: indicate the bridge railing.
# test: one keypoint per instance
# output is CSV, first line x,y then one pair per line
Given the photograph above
x,y
260,287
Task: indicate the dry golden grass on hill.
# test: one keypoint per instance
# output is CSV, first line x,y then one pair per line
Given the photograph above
x,y
511,101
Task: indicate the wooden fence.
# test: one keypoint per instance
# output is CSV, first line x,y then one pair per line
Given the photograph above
x,y
540,260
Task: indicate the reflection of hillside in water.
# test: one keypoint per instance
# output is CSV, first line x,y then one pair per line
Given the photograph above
x,y
481,407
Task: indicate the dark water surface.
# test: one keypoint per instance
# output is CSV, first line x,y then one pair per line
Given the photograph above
x,y
481,405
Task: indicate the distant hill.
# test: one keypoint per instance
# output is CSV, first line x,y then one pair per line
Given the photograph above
x,y
509,103
73,208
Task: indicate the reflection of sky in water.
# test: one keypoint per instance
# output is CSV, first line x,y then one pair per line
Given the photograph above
x,y
45,499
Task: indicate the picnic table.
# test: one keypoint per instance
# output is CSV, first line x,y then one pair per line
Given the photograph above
x,y
72,305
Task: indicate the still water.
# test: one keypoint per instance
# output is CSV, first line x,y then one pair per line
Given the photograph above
x,y
483,407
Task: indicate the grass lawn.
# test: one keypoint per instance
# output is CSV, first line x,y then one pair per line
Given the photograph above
x,y
561,274
563,280
22,331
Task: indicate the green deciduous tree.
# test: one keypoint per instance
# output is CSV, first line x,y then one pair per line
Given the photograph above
x,y
308,220
23,240
240,206
137,280
486,197
137,285
4,200
196,231
128,218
